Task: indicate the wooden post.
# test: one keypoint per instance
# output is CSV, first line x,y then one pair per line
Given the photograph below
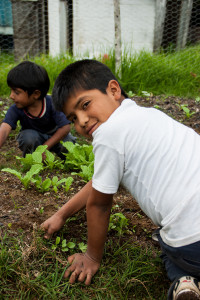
x,y
184,22
117,23
160,12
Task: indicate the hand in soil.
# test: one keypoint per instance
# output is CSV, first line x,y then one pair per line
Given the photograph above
x,y
82,268
52,225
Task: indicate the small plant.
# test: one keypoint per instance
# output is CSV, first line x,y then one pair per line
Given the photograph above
x,y
82,247
64,245
31,159
86,172
130,94
78,156
27,178
50,161
55,183
197,100
187,111
68,183
118,222
41,186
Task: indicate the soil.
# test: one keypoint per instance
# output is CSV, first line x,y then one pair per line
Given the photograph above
x,y
21,209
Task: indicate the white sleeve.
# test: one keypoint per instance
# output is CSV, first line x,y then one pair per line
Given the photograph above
x,y
108,169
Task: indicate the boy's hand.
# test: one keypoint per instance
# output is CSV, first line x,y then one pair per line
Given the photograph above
x,y
82,268
52,225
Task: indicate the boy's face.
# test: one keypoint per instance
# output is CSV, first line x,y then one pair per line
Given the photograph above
x,y
89,109
21,98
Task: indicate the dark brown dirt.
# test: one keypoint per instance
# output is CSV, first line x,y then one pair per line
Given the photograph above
x,y
21,208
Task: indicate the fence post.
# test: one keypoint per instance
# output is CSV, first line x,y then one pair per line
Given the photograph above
x,y
160,12
184,22
117,23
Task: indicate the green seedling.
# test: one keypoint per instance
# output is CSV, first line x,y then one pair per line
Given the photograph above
x,y
77,156
118,222
68,183
187,111
41,186
50,161
86,172
64,245
130,94
146,94
41,210
26,179
67,246
197,100
82,247
55,183
34,158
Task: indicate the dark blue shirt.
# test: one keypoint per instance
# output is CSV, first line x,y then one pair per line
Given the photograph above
x,y
47,122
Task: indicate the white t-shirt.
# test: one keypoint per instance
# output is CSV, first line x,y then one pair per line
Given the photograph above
x,y
158,160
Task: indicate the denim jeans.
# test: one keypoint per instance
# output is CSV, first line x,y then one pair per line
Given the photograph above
x,y
180,261
30,139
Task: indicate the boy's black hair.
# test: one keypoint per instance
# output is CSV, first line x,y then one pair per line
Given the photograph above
x,y
85,74
29,77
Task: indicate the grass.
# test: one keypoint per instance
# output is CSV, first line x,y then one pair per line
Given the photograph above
x,y
169,73
34,271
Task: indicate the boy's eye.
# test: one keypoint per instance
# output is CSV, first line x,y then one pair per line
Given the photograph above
x,y
85,104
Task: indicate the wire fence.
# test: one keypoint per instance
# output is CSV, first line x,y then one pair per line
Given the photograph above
x,y
29,28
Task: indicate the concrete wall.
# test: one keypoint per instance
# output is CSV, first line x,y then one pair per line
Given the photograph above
x,y
93,26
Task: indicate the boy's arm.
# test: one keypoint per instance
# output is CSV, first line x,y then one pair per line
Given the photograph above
x,y
84,266
5,130
57,136
76,203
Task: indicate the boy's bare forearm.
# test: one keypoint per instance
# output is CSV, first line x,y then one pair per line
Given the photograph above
x,y
76,203
5,130
98,215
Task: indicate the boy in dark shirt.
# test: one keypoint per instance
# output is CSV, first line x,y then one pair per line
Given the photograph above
x,y
40,123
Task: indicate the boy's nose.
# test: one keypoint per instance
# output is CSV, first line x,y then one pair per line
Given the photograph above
x,y
83,119
11,96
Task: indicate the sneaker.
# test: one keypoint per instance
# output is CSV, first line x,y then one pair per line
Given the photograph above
x,y
186,288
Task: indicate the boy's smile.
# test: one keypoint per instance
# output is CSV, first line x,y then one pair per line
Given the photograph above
x,y
89,109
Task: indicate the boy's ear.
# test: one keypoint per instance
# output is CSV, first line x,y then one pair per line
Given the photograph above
x,y
114,89
36,94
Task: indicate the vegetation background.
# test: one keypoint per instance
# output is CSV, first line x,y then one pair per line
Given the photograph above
x,y
33,268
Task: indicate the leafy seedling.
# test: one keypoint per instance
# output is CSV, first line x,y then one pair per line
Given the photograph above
x,y
32,158
118,222
55,183
82,247
26,179
187,111
51,162
41,186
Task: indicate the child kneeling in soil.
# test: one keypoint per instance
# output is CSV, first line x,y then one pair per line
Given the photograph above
x,y
155,157
40,123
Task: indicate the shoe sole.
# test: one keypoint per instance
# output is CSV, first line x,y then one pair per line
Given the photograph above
x,y
187,295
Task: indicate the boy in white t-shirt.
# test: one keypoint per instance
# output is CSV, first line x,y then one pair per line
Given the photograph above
x,y
153,156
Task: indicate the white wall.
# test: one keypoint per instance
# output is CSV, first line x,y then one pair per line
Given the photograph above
x,y
94,25
57,27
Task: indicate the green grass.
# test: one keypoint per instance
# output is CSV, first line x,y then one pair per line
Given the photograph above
x,y
169,73
34,271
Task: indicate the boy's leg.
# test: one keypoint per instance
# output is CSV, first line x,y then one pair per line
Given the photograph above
x,y
29,140
180,262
